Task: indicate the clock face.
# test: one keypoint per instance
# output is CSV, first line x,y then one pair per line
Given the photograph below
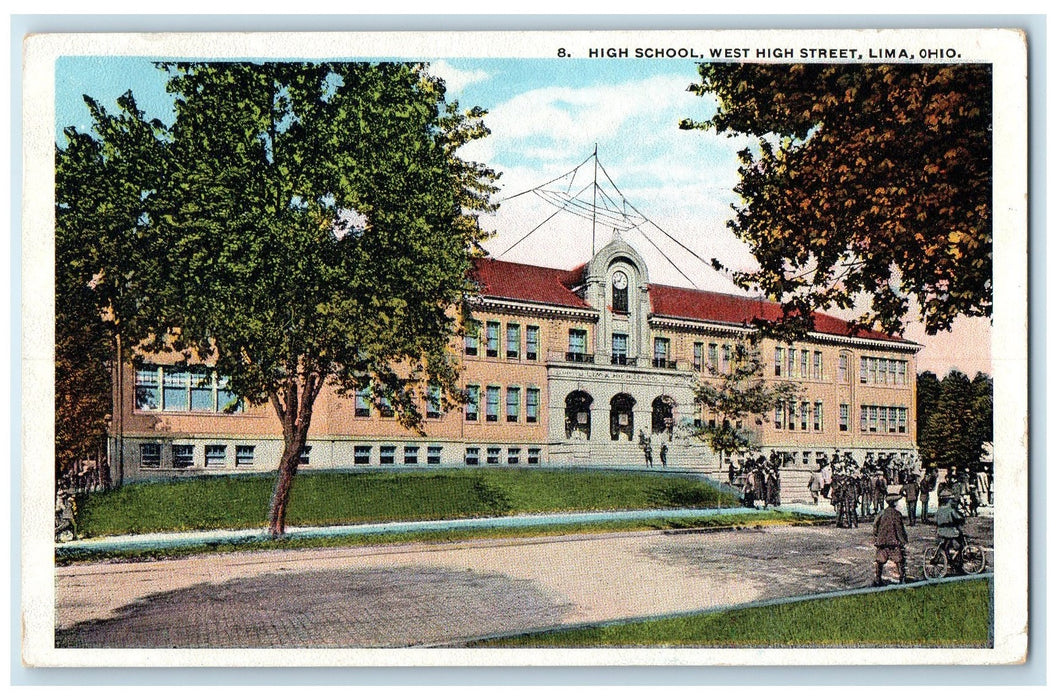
x,y
620,280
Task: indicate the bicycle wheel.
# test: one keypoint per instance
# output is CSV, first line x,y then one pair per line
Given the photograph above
x,y
935,562
974,560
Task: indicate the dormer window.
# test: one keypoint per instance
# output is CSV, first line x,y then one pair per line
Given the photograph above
x,y
620,292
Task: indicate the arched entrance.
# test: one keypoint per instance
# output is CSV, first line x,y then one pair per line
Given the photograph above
x,y
621,417
578,415
663,415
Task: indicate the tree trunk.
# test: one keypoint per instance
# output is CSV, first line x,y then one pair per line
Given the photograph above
x,y
281,495
295,412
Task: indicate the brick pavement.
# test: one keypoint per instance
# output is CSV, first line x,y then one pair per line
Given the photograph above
x,y
404,595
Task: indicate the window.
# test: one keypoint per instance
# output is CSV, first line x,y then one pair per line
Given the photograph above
x,y
385,407
361,454
387,454
724,364
873,419
472,338
816,366
818,415
804,410
171,389
882,419
363,403
227,400
533,455
410,454
862,418
513,341
699,356
513,455
661,350
473,402
492,339
183,456
863,369
216,455
148,398
903,419
433,454
779,416
473,456
713,357
202,398
778,361
305,458
620,349
805,457
174,390
150,455
844,417
433,402
244,455
491,409
901,373
532,405
577,345
494,454
873,370
791,416
513,404
842,368
532,342
819,456
882,371
803,364
791,362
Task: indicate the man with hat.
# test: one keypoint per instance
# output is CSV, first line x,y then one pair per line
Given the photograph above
x,y
910,492
890,539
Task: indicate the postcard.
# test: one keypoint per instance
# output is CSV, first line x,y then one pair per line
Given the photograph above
x,y
526,348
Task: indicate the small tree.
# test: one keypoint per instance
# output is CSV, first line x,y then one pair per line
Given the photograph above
x,y
737,396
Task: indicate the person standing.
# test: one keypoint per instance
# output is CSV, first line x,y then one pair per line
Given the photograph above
x,y
814,485
910,492
664,455
890,540
928,483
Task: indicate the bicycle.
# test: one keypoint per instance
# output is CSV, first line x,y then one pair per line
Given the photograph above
x,y
939,560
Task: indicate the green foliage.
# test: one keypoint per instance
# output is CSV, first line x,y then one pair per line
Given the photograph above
x,y
864,180
298,224
347,498
739,399
955,418
906,617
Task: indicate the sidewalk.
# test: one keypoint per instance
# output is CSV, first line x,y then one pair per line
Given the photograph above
x,y
160,540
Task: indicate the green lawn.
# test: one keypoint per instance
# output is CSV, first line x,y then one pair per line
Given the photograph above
x,y
347,498
956,614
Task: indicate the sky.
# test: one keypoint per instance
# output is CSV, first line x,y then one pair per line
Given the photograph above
x,y
547,116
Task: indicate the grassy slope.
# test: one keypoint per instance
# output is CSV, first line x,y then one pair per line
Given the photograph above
x,y
949,615
344,498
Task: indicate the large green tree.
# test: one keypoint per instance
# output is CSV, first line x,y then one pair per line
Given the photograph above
x,y
738,398
865,180
954,419
306,224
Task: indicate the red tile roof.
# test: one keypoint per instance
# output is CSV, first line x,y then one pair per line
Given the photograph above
x,y
529,283
697,305
545,285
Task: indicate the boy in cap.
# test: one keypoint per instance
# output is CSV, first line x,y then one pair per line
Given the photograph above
x,y
890,539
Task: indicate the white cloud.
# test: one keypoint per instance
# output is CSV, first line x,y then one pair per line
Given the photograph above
x,y
454,79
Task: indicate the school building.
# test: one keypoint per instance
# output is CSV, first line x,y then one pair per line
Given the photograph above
x,y
562,368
